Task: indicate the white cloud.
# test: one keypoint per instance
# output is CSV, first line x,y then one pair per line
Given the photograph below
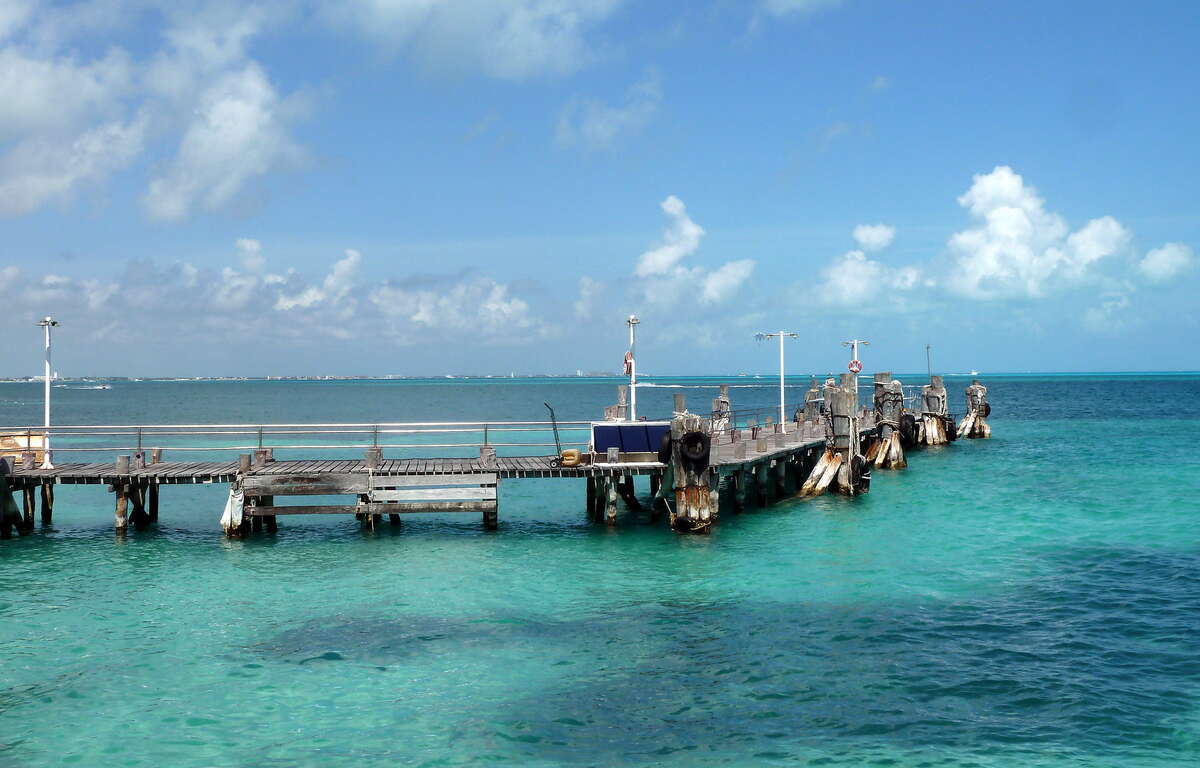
x,y
797,7
874,237
664,280
853,279
1019,249
237,134
215,306
75,109
681,238
597,125
251,254
881,83
505,39
1167,262
37,171
479,308
725,281
589,289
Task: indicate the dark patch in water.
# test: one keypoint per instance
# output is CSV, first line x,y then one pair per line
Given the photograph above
x,y
1102,655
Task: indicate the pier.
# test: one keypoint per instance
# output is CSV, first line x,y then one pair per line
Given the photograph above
x,y
700,465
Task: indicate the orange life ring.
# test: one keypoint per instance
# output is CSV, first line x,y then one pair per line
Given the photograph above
x,y
628,363
855,366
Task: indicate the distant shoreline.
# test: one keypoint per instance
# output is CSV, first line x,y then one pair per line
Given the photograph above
x,y
649,378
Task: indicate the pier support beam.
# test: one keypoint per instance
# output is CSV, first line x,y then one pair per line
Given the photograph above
x,y
10,515
152,501
974,425
47,502
886,451
695,500
610,498
842,466
121,513
28,506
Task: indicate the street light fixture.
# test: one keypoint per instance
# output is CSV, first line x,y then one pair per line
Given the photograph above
x,y
782,335
47,323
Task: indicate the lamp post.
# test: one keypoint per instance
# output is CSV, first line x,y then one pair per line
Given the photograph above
x,y
631,360
782,335
47,323
855,363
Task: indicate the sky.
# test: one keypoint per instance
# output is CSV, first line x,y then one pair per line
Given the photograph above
x,y
427,187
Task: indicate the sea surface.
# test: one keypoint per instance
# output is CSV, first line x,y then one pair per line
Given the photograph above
x,y
1033,599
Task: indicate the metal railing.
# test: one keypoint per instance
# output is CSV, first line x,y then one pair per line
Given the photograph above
x,y
117,438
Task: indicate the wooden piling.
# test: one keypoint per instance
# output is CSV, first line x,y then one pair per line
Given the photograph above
x,y
121,521
695,502
152,501
886,449
610,494
47,502
29,507
138,516
974,425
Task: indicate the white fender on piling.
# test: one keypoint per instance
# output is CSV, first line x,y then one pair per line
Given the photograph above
x,y
231,518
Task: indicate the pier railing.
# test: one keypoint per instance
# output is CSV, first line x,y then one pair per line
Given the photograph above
x,y
228,438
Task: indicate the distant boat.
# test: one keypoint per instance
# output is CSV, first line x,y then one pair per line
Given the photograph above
x,y
974,372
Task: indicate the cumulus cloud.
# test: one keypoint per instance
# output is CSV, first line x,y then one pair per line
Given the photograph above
x,y
1018,248
74,110
238,134
596,125
1166,263
874,237
854,279
664,280
207,306
251,254
477,309
681,238
504,39
1108,315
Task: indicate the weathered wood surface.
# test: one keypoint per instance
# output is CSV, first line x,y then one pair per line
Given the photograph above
x,y
974,425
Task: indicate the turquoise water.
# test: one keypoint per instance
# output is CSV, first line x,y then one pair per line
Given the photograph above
x,y
1033,599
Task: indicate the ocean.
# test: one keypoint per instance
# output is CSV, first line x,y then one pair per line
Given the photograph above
x,y
1033,599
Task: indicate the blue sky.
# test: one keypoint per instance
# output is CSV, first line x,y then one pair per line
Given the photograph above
x,y
437,186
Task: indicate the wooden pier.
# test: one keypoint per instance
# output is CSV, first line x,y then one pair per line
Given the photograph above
x,y
707,464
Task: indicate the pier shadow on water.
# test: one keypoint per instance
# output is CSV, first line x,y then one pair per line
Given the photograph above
x,y
1100,656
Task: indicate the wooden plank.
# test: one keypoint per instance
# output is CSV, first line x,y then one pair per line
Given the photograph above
x,y
434,494
405,481
304,484
315,509
428,506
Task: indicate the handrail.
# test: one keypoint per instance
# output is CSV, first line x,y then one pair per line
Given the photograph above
x,y
364,425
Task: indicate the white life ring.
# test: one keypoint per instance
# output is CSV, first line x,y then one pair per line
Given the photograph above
x,y
855,366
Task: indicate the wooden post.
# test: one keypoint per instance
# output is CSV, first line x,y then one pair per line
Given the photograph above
x,y
974,425
29,506
695,508
152,501
610,510
626,490
121,515
760,484
739,491
268,520
934,420
590,497
139,517
780,477
843,461
812,402
47,502
887,451
10,515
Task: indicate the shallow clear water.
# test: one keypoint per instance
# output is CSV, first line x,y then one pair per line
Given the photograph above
x,y
1032,599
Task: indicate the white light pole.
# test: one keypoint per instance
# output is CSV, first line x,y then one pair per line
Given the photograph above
x,y
855,363
631,361
47,323
782,335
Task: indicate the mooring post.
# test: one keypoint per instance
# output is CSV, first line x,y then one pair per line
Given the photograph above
x,y
935,426
812,401
152,500
48,502
842,464
974,424
886,450
610,510
691,445
29,504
